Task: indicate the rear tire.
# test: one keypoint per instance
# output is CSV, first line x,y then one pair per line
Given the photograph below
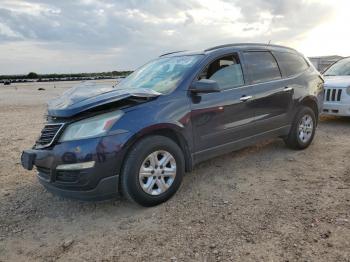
x,y
152,171
303,129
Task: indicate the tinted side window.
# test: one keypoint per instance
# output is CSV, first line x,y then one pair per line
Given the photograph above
x,y
226,71
291,64
262,66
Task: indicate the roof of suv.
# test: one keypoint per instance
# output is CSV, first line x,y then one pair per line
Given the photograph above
x,y
242,46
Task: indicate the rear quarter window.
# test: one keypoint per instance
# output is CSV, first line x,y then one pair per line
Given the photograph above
x,y
291,64
262,66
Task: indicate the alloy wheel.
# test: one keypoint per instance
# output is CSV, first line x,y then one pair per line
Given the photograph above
x,y
305,130
157,172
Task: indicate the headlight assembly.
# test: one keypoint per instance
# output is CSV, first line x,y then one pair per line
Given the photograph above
x,y
91,127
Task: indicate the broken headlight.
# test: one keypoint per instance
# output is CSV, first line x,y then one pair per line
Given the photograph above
x,y
91,127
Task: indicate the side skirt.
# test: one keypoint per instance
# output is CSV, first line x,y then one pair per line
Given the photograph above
x,y
239,144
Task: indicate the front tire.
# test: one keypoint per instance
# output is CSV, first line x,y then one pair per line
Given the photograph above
x,y
303,129
152,171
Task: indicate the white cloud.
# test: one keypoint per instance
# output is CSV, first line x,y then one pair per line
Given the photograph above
x,y
96,35
7,32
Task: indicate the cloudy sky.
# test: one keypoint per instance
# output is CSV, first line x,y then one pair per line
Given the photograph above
x,y
65,36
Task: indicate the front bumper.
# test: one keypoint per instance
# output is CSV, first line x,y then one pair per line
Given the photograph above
x,y
92,182
336,108
105,189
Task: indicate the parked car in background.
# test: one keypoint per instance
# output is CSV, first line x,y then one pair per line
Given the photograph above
x,y
321,63
7,82
337,89
140,136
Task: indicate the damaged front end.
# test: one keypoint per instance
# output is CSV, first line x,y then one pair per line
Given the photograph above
x,y
87,100
90,96
78,149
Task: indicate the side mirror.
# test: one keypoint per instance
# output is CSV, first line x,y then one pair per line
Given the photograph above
x,y
205,86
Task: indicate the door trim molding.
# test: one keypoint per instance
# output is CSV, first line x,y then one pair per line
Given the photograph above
x,y
238,144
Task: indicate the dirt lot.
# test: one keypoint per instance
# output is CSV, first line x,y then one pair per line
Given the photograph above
x,y
263,203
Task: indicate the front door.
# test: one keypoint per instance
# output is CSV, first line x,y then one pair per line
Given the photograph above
x,y
221,120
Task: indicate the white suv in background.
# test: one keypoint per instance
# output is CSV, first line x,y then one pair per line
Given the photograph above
x,y
337,89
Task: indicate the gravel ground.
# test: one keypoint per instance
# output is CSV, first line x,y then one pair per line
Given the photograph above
x,y
263,203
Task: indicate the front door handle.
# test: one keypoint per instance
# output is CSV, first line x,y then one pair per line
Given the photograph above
x,y
287,89
245,98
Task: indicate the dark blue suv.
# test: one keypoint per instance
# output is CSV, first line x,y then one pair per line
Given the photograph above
x,y
141,135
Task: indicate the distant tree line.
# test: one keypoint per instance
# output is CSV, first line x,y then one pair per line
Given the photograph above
x,y
38,77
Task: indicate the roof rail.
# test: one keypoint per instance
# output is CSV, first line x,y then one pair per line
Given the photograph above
x,y
172,53
246,44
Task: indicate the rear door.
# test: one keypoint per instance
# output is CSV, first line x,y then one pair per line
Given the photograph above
x,y
272,96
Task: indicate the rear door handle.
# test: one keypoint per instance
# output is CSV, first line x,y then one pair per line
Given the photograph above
x,y
287,89
245,98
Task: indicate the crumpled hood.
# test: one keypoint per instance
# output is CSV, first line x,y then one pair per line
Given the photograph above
x,y
88,95
337,81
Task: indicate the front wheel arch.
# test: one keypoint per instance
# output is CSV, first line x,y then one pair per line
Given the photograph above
x,y
129,178
167,131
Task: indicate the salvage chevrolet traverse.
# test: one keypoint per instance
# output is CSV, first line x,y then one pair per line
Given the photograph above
x,y
141,135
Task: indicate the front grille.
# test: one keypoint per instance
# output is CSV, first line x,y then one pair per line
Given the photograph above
x,y
48,135
333,94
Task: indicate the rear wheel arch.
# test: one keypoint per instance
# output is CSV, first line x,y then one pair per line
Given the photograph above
x,y
311,102
299,128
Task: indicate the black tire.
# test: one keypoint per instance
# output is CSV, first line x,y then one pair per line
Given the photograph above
x,y
293,140
130,184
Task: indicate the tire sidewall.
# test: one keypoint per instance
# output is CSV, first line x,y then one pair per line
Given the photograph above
x,y
130,174
302,112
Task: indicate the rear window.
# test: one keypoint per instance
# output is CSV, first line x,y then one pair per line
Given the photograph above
x,y
291,64
262,66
